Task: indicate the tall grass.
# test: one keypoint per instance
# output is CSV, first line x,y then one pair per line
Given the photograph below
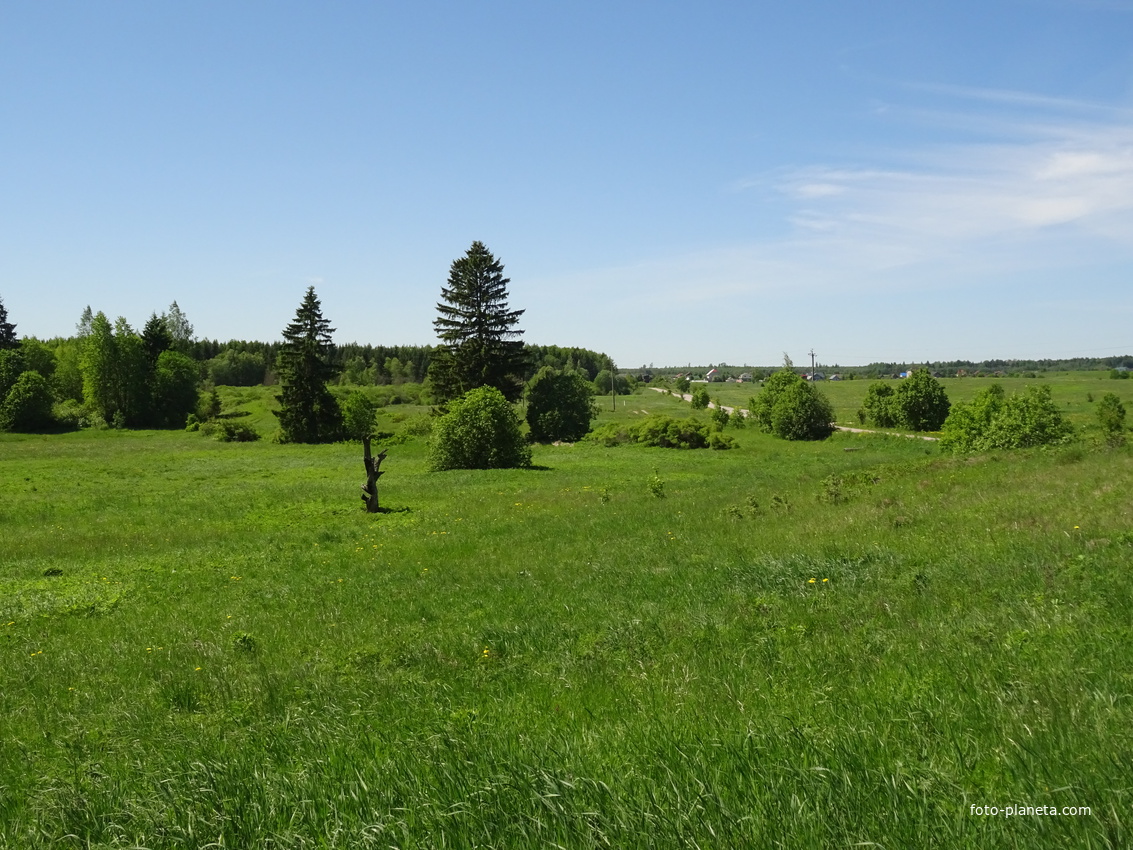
x,y
211,644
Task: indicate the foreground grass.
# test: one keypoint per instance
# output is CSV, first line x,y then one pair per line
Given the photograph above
x,y
211,644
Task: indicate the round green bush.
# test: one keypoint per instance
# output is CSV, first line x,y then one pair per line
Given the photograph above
x,y
27,406
920,403
480,431
802,413
877,406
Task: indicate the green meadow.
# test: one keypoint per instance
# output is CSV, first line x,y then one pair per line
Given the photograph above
x,y
1076,393
846,643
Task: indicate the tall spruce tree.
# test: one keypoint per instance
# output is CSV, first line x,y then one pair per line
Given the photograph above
x,y
156,337
8,338
480,344
308,412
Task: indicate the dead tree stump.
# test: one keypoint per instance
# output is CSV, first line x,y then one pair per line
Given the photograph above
x,y
373,473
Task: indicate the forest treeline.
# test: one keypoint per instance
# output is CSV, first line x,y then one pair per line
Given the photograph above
x,y
150,376
943,368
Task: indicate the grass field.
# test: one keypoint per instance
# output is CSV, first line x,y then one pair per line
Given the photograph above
x,y
1076,393
839,644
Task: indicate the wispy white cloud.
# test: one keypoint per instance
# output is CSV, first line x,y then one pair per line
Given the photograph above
x,y
1034,223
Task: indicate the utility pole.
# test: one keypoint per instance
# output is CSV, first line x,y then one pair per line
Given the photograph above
x,y
812,364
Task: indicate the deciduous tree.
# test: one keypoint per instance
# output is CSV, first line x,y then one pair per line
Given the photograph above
x,y
560,406
179,328
792,408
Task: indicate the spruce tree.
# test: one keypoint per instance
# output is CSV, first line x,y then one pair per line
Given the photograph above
x,y
308,412
8,338
479,342
157,337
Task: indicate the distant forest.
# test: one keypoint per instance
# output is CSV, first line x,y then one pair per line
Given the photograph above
x,y
945,368
246,363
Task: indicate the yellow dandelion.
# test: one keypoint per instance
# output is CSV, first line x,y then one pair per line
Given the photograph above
x,y
811,581
826,579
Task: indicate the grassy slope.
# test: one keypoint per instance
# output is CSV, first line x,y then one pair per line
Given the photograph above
x,y
528,658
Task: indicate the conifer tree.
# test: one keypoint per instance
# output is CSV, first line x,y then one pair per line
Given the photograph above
x,y
308,412
8,338
479,342
156,337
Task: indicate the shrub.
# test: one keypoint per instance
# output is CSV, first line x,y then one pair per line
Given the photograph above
x,y
1111,418
993,421
228,431
681,384
660,431
27,406
762,404
801,412
877,407
209,406
69,414
358,415
420,425
612,434
560,406
700,398
668,433
920,403
720,442
480,431
720,416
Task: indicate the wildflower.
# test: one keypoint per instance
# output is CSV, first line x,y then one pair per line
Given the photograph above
x,y
826,579
198,668
811,581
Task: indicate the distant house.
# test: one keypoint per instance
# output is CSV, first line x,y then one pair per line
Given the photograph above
x,y
745,378
712,375
835,378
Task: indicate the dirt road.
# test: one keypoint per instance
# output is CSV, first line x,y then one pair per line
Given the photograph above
x,y
745,412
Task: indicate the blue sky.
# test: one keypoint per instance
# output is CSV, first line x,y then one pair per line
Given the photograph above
x,y
665,182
